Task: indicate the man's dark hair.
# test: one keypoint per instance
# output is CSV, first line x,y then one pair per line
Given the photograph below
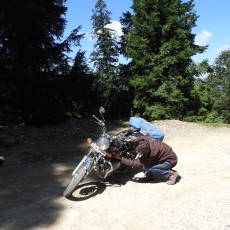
x,y
143,148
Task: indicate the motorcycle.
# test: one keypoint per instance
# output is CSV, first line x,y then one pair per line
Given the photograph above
x,y
100,158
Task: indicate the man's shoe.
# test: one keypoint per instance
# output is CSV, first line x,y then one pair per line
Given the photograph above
x,y
145,179
172,178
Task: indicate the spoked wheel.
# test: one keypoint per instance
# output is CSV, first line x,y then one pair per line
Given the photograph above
x,y
77,178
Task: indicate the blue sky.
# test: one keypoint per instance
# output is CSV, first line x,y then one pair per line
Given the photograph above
x,y
212,25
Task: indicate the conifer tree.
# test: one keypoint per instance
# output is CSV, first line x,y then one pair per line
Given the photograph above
x,y
161,45
105,54
33,60
219,80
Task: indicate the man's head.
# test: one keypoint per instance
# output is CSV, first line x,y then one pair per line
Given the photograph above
x,y
143,148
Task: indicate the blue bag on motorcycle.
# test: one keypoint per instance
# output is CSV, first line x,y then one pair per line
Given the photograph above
x,y
150,129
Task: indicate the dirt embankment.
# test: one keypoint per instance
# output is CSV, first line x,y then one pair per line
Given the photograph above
x,y
39,162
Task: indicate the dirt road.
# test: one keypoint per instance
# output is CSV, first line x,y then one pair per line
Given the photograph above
x,y
38,168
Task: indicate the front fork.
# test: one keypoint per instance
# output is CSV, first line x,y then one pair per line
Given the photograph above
x,y
86,162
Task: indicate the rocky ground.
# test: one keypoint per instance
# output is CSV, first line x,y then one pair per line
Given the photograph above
x,y
39,162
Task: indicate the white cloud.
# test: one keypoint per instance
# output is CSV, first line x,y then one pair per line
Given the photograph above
x,y
220,49
116,26
202,38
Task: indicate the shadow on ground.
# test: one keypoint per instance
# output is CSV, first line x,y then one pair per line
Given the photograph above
x,y
30,188
93,185
37,170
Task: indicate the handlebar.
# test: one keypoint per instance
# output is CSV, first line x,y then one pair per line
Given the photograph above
x,y
100,122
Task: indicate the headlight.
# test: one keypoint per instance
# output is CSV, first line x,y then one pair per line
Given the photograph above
x,y
103,143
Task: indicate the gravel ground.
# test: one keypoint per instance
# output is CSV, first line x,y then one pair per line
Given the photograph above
x,y
39,165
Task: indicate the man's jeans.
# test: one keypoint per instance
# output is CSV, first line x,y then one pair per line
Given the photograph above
x,y
159,171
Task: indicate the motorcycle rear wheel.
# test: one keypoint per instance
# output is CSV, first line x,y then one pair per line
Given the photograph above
x,y
75,181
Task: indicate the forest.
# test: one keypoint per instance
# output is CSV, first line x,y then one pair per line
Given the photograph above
x,y
41,84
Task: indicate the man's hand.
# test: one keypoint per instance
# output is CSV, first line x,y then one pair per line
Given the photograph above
x,y
117,156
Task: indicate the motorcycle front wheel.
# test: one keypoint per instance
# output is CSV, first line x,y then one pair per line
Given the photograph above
x,y
77,178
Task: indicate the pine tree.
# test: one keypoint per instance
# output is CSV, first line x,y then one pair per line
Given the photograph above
x,y
33,60
105,54
161,44
219,80
201,102
82,94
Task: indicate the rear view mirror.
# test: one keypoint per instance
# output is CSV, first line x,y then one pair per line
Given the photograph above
x,y
101,110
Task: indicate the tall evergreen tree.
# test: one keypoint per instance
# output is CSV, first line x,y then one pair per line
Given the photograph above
x,y
201,102
219,80
105,54
161,44
81,91
33,60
